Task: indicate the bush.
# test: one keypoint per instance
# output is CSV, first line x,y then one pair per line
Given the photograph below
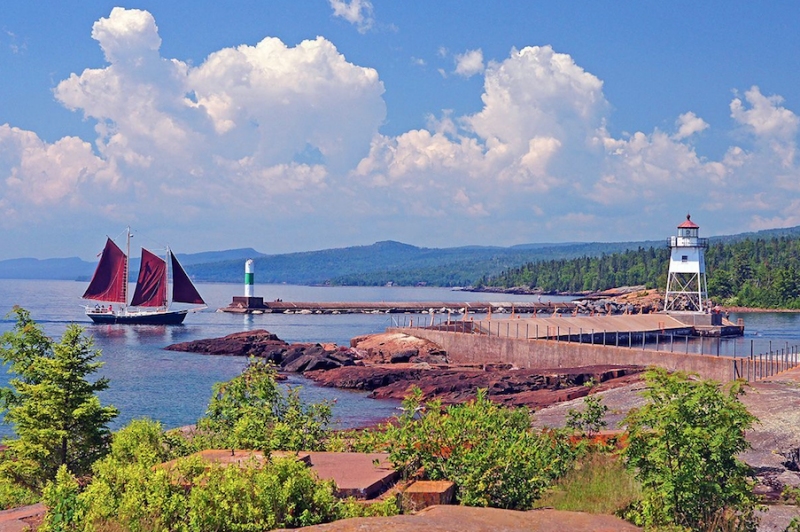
x,y
682,447
13,495
251,412
590,420
128,493
490,452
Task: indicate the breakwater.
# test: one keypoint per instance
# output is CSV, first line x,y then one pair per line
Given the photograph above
x,y
498,342
256,305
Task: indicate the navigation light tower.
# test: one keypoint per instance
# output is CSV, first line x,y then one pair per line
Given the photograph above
x,y
687,287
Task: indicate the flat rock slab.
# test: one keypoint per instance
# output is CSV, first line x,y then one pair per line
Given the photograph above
x,y
359,475
424,493
466,519
19,519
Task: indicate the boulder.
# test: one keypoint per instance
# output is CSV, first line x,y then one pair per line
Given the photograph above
x,y
259,343
395,348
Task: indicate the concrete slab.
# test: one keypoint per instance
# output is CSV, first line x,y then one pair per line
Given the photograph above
x,y
359,475
574,325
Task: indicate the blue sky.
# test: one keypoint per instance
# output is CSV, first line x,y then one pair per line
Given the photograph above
x,y
290,126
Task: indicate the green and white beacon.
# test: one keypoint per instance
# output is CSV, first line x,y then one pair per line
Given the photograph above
x,y
248,278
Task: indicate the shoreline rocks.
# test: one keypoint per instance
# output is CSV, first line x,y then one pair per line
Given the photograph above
x,y
388,364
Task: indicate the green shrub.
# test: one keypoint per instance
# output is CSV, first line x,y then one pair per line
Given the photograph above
x,y
252,412
489,451
13,495
61,498
682,447
590,420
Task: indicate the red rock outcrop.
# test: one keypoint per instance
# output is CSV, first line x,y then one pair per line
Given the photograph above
x,y
259,343
454,384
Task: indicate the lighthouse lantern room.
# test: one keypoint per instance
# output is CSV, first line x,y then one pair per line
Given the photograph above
x,y
687,288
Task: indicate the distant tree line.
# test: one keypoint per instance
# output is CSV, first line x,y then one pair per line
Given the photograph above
x,y
752,272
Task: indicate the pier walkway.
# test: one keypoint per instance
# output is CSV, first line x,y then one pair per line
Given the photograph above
x,y
257,305
580,328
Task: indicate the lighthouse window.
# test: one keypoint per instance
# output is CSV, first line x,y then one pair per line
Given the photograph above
x,y
684,258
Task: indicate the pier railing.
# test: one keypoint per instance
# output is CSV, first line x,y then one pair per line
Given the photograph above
x,y
746,361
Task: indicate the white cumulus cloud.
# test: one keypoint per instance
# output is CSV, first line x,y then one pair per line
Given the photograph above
x,y
765,116
469,63
689,124
356,12
292,134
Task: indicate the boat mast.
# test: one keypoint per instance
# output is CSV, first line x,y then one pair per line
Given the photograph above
x,y
166,277
127,264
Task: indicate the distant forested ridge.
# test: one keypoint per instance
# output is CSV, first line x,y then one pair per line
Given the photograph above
x,y
760,272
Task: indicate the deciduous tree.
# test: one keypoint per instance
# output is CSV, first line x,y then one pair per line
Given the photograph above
x,y
683,447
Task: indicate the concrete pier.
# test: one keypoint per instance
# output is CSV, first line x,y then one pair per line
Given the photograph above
x,y
581,328
257,305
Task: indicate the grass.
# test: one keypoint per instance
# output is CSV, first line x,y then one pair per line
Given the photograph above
x,y
599,484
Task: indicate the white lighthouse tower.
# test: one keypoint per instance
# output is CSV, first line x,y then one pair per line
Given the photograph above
x,y
687,288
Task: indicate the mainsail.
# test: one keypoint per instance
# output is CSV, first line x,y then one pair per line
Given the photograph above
x,y
183,291
151,285
108,282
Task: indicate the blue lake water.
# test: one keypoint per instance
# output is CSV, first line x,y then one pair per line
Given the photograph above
x,y
173,387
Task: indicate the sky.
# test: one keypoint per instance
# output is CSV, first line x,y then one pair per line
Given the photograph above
x,y
293,126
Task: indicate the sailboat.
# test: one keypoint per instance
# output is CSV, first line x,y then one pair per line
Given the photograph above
x,y
150,303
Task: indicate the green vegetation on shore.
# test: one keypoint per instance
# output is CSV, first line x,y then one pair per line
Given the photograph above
x,y
750,273
682,471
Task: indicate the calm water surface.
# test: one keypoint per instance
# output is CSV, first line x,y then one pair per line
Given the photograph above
x,y
173,387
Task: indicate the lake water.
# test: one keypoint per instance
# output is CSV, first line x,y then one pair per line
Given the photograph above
x,y
173,387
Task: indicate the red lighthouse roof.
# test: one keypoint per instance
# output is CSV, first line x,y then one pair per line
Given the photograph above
x,y
688,224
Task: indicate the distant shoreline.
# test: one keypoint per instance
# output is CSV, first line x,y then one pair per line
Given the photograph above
x,y
755,310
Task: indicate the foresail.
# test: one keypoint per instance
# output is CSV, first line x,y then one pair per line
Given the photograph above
x,y
108,281
183,291
151,285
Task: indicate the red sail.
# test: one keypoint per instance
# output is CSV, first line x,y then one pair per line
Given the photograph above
x,y
108,281
151,286
183,291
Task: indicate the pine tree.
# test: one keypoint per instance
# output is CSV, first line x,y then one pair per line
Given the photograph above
x,y
54,409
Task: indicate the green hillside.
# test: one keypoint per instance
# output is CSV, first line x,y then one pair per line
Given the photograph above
x,y
394,262
753,272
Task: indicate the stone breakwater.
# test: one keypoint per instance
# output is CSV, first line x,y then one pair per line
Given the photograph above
x,y
389,364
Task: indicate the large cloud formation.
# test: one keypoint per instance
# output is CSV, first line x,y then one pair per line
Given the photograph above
x,y
296,131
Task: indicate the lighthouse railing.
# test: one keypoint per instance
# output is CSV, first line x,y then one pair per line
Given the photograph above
x,y
687,242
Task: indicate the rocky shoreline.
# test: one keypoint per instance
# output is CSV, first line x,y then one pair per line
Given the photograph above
x,y
389,364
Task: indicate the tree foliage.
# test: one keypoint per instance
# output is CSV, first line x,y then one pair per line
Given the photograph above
x,y
251,411
751,272
591,419
489,451
53,407
682,446
129,490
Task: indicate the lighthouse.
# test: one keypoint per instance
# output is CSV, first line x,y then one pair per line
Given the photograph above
x,y
687,287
